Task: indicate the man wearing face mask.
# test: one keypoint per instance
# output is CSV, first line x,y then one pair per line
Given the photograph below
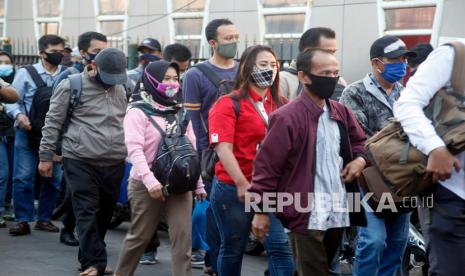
x,y
89,45
51,49
382,243
314,132
200,93
149,50
93,150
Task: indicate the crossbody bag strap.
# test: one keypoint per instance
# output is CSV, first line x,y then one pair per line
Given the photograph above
x,y
457,80
265,120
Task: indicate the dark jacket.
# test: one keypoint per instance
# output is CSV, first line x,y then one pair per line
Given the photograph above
x,y
286,160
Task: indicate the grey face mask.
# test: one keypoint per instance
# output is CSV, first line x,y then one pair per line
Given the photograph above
x,y
227,50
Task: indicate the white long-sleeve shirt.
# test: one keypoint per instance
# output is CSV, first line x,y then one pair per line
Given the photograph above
x,y
432,75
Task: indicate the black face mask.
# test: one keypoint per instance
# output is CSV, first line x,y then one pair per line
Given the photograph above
x,y
90,57
321,86
53,58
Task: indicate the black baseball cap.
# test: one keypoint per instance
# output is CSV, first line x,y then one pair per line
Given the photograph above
x,y
389,46
111,66
150,43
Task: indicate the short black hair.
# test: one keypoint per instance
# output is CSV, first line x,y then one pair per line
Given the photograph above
x,y
422,50
305,58
46,40
311,37
212,27
176,51
85,39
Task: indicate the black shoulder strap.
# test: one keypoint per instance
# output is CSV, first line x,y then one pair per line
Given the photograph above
x,y
39,82
236,104
75,83
211,76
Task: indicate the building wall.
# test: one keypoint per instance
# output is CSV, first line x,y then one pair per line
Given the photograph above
x,y
452,20
356,24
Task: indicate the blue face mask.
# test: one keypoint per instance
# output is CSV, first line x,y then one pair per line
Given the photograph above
x,y
394,72
6,70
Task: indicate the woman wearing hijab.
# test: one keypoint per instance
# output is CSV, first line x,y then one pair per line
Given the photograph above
x,y
146,197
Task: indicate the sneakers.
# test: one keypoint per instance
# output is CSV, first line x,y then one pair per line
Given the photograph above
x,y
149,258
198,259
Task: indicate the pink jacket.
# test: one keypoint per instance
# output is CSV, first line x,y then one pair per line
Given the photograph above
x,y
142,142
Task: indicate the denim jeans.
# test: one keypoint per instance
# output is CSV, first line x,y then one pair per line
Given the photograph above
x,y
233,225
381,245
234,228
212,233
6,171
278,249
24,173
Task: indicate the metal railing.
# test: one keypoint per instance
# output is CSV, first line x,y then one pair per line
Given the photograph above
x,y
25,50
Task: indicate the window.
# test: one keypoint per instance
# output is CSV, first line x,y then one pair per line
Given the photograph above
x,y
283,24
415,19
111,27
47,16
48,8
49,28
410,18
283,3
187,23
111,16
112,7
2,8
198,5
188,26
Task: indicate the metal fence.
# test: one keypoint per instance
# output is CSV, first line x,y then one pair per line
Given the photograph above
x,y
25,50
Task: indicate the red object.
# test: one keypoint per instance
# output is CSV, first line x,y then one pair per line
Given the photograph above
x,y
245,134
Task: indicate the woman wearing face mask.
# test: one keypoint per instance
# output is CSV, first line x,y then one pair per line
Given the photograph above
x,y
147,201
7,134
236,140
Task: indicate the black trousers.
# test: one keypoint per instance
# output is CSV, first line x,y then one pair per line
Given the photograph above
x,y
445,236
94,191
68,220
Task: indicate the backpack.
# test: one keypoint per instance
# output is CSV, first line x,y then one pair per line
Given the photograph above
x,y
209,158
39,107
402,166
176,165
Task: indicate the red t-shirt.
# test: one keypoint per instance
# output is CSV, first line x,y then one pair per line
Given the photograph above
x,y
245,134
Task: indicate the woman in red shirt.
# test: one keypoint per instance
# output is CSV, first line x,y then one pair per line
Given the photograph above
x,y
236,139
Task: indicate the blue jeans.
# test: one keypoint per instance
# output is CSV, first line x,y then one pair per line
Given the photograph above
x,y
381,245
6,171
278,249
24,173
234,228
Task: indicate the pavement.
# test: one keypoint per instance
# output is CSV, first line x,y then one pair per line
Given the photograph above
x,y
41,254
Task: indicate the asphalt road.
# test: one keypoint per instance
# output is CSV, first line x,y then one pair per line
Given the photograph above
x,y
40,254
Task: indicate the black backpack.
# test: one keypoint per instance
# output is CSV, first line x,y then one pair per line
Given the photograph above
x,y
177,164
209,157
39,107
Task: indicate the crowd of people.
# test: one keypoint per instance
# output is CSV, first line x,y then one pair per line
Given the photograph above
x,y
74,124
